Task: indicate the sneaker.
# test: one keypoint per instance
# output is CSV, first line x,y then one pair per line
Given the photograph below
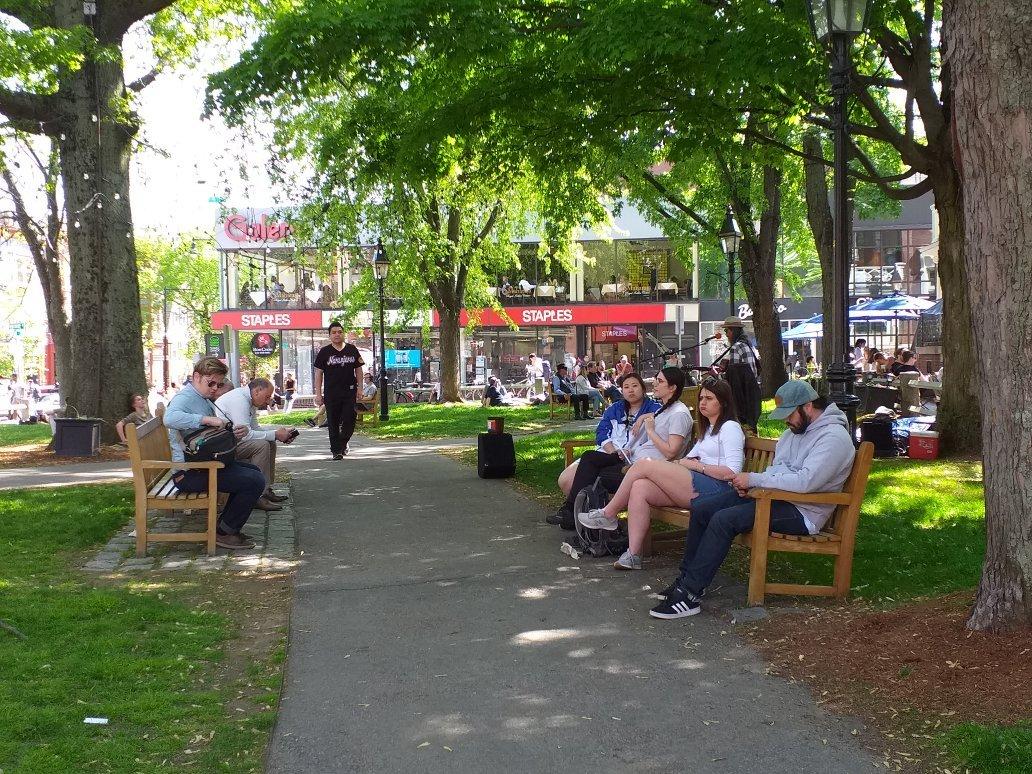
x,y
680,604
628,561
665,593
338,456
310,422
562,516
233,542
347,451
597,519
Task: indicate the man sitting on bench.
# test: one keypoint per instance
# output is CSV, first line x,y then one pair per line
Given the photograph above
x,y
815,454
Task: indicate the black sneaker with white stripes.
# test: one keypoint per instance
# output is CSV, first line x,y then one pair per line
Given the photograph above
x,y
680,604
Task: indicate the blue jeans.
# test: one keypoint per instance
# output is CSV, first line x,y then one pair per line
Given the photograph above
x,y
242,481
706,485
716,519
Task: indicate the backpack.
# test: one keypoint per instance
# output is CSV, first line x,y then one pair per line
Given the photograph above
x,y
596,542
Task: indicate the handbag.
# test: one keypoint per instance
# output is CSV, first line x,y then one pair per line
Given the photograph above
x,y
210,444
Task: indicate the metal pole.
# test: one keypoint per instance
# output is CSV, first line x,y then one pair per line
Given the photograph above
x,y
164,336
840,372
383,361
731,281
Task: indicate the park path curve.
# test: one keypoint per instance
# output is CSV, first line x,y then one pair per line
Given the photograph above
x,y
436,627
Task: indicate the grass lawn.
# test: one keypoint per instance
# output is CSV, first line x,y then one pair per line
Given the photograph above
x,y
148,655
19,435
425,421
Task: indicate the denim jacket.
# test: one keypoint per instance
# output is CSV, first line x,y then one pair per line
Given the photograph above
x,y
185,411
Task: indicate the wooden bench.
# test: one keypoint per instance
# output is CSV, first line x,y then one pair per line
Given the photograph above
x,y
372,416
151,459
837,538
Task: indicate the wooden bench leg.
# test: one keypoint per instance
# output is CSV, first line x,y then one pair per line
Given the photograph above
x,y
141,527
213,509
758,556
843,573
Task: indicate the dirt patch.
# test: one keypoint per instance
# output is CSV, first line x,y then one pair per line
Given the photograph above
x,y
36,454
912,672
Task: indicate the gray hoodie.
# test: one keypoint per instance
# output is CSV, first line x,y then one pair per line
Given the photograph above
x,y
819,460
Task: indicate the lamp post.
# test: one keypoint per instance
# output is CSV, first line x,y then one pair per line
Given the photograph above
x,y
839,21
380,267
730,239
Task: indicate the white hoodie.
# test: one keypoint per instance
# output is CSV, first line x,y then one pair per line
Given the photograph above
x,y
818,460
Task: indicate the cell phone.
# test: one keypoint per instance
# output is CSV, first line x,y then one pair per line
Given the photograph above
x,y
294,433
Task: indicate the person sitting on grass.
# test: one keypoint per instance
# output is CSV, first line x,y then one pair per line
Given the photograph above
x,y
815,454
614,448
706,470
140,413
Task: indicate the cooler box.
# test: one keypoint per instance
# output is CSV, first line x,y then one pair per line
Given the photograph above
x,y
924,445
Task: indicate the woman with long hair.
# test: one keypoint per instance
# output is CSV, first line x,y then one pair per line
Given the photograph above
x,y
706,469
140,413
632,429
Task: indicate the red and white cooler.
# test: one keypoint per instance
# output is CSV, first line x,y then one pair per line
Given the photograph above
x,y
924,445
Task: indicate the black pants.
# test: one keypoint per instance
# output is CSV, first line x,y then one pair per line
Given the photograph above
x,y
340,419
580,402
592,465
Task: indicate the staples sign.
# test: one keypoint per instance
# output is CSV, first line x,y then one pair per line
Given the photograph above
x,y
265,320
545,316
259,321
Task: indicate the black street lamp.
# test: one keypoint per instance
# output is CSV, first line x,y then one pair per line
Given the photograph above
x,y
840,21
730,239
380,267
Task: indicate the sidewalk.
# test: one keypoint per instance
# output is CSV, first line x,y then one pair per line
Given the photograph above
x,y
64,475
436,627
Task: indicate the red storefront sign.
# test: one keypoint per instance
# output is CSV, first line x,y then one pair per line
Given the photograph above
x,y
587,314
603,334
267,320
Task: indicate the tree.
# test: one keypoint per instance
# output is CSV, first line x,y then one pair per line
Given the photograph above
x,y
64,79
43,236
986,46
448,216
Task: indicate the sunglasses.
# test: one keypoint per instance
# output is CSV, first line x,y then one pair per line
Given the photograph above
x,y
212,384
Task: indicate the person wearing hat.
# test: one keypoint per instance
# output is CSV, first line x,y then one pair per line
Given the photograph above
x,y
742,372
815,454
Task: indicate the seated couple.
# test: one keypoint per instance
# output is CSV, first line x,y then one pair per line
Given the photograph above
x,y
632,429
815,454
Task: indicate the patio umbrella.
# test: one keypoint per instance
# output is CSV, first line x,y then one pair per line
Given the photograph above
x,y
897,306
808,329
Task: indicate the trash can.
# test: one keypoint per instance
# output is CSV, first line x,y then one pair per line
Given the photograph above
x,y
76,437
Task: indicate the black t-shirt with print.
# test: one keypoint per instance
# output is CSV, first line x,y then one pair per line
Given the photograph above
x,y
338,367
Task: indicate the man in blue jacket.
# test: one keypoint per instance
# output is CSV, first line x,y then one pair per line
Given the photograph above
x,y
192,409
815,454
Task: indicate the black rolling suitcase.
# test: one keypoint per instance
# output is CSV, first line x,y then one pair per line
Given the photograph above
x,y
496,455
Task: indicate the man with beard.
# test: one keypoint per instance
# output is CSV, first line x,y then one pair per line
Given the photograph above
x,y
815,454
338,372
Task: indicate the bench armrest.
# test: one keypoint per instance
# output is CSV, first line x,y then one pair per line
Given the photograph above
x,y
821,498
572,443
168,464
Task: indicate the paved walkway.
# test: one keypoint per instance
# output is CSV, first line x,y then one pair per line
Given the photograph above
x,y
436,627
63,475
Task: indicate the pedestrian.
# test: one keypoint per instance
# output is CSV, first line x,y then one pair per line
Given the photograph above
x,y
289,387
337,374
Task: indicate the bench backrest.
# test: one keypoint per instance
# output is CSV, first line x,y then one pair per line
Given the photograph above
x,y
759,453
148,441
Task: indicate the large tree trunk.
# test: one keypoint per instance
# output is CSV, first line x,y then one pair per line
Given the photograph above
x,y
959,419
450,330
107,353
986,45
759,259
822,225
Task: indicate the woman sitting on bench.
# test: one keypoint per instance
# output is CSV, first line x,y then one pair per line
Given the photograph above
x,y
706,470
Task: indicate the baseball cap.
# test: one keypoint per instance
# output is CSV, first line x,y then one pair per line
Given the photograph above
x,y
790,396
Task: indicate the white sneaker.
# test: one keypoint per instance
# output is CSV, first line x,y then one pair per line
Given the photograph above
x,y
597,519
628,561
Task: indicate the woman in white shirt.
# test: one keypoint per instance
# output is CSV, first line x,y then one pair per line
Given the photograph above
x,y
707,469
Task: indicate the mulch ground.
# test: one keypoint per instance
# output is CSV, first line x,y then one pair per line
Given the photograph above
x,y
911,672
35,454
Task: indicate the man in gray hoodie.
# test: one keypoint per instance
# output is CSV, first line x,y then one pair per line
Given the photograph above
x,y
815,454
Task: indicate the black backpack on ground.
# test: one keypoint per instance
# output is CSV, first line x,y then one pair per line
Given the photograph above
x,y
596,542
496,455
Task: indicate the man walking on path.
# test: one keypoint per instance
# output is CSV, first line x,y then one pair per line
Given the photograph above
x,y
338,367
815,454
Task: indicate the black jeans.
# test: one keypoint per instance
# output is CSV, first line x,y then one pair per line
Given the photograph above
x,y
592,465
340,419
715,521
242,481
580,402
